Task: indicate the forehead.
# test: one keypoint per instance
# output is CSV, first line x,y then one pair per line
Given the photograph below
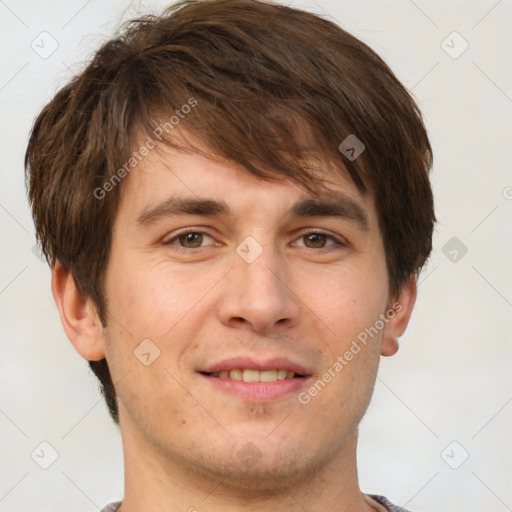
x,y
169,180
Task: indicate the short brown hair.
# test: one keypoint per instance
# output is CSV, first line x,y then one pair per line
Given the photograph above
x,y
274,89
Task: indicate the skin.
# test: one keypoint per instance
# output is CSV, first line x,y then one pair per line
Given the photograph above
x,y
301,298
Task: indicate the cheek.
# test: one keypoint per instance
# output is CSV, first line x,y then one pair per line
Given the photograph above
x,y
353,302
352,349
151,393
151,298
151,301
349,303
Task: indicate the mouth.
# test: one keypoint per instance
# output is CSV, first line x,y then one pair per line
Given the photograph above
x,y
255,380
251,375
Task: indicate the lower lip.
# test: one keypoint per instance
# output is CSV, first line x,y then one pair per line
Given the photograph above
x,y
258,391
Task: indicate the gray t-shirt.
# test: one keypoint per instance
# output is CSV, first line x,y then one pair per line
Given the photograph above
x,y
386,503
379,499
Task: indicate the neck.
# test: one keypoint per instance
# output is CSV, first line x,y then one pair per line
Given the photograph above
x,y
153,482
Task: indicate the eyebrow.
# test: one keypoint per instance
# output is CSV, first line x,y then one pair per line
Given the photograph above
x,y
337,205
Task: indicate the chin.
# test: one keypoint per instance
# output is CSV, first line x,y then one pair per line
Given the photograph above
x,y
259,466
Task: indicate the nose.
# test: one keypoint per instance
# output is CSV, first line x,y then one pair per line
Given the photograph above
x,y
259,295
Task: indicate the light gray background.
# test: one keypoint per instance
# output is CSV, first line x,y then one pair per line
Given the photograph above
x,y
450,381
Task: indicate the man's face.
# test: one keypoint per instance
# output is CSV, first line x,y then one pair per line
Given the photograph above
x,y
261,288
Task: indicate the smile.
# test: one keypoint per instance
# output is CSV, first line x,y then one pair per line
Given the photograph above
x,y
248,375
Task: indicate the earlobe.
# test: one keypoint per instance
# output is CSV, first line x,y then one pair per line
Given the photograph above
x,y
78,315
398,316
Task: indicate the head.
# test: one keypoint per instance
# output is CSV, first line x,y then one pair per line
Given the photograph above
x,y
245,102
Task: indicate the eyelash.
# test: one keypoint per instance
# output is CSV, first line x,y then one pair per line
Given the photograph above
x,y
338,243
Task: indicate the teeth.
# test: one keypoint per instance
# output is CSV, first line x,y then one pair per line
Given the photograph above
x,y
282,374
236,374
254,375
268,376
251,375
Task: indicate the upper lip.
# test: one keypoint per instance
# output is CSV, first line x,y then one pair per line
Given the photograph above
x,y
275,363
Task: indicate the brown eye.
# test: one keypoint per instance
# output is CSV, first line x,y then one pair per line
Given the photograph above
x,y
188,240
317,240
192,238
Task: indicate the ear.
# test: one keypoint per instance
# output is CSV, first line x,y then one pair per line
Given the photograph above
x,y
78,316
397,317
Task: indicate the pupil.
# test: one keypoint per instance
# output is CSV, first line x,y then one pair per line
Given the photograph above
x,y
316,238
193,238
